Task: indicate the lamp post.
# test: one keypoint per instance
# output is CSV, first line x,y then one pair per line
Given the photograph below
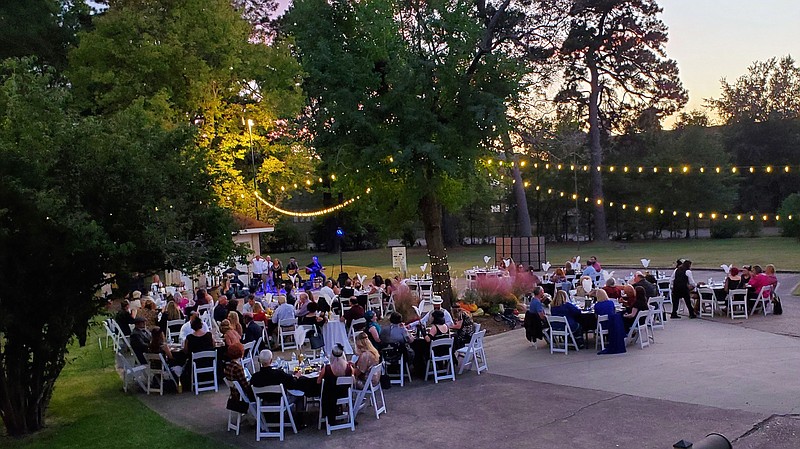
x,y
253,159
340,236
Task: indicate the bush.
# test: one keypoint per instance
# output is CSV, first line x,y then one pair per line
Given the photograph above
x,y
725,229
286,238
404,300
790,206
491,292
753,227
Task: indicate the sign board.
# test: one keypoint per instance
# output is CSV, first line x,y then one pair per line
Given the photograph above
x,y
399,260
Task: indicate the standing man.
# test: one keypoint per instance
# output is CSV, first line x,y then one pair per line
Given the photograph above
x,y
682,282
260,269
293,270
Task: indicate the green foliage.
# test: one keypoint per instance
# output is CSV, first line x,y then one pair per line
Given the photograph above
x,y
790,207
769,91
363,228
82,197
286,237
191,62
725,229
753,227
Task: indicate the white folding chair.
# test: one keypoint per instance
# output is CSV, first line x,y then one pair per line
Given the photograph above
x,y
447,371
666,291
375,393
282,408
351,332
390,304
132,371
473,354
247,358
763,300
658,316
375,302
708,301
425,306
204,309
601,333
174,330
737,303
557,336
403,368
110,335
286,328
425,290
206,385
233,414
639,330
345,402
158,369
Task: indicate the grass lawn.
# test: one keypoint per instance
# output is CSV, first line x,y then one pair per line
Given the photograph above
x,y
704,253
89,410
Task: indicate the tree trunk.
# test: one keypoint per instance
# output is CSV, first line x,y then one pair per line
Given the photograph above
x,y
596,152
450,229
430,210
520,198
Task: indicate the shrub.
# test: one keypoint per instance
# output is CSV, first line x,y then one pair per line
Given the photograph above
x,y
753,227
725,229
404,300
494,291
790,206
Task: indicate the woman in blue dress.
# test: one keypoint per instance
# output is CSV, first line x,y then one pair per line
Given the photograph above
x,y
614,325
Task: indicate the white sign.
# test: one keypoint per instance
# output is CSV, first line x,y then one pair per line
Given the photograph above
x,y
399,259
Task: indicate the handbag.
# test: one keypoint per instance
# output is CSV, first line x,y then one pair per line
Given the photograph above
x,y
777,308
386,381
237,406
316,340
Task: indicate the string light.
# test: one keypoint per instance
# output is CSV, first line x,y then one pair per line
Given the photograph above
x,y
684,168
315,213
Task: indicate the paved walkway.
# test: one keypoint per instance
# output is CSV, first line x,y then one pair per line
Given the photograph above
x,y
701,376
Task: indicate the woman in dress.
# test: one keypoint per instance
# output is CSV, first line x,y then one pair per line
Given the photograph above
x,y
277,272
368,357
733,281
338,367
464,328
614,325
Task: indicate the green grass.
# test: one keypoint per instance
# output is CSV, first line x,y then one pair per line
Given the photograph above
x,y
89,410
704,253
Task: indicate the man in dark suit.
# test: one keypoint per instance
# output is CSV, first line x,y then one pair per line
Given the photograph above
x,y
252,331
268,376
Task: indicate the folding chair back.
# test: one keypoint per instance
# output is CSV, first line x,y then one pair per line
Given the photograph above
x,y
204,385
282,408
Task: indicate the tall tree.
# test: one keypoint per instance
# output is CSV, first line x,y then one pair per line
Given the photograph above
x,y
81,197
617,66
769,91
192,62
404,96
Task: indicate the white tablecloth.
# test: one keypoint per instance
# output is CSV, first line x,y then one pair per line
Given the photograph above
x,y
332,332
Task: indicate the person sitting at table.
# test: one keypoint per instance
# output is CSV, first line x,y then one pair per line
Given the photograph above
x,y
125,318
591,272
229,335
234,371
562,307
761,279
437,301
149,313
348,291
269,375
355,312
313,318
301,306
568,270
388,289
259,314
158,345
236,325
745,275
367,358
639,305
136,301
559,276
180,300
396,332
639,281
610,289
140,338
733,281
199,340
628,297
186,329
171,313
614,325
284,311
327,291
338,367
221,309
439,328
201,298
252,331
464,328
535,318
373,329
